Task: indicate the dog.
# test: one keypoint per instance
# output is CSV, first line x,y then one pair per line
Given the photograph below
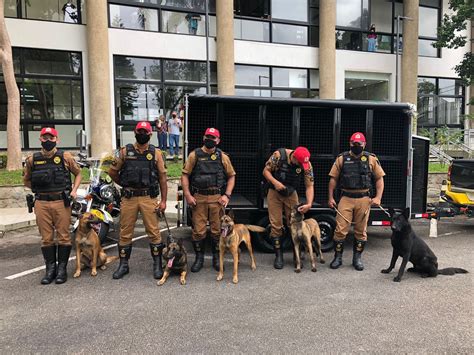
x,y
305,231
231,236
176,260
410,247
89,252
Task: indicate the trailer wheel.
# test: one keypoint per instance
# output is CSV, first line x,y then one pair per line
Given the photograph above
x,y
327,224
263,241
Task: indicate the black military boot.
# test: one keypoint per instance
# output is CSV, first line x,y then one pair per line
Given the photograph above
x,y
215,253
63,257
339,249
49,254
156,250
278,263
124,255
198,246
359,246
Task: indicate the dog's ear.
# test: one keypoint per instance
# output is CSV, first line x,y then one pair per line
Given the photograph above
x,y
231,213
406,213
391,211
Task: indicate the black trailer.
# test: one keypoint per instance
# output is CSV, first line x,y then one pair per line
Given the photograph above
x,y
253,128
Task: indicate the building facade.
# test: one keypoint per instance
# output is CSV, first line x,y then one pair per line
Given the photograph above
x,y
102,65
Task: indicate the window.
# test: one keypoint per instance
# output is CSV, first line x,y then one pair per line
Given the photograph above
x,y
180,70
135,18
251,30
52,10
290,34
426,49
381,15
290,78
428,22
251,75
137,68
366,86
39,61
295,10
10,8
352,14
180,22
252,8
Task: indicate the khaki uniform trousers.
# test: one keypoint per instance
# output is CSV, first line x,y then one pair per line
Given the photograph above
x,y
278,204
356,210
209,209
129,208
51,216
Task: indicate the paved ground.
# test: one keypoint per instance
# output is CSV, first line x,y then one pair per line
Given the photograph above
x,y
269,311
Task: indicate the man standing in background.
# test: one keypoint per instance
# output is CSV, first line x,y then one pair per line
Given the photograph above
x,y
174,125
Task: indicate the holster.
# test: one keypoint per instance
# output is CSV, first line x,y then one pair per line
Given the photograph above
x,y
66,198
30,202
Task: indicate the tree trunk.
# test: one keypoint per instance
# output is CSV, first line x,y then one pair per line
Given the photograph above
x,y
13,96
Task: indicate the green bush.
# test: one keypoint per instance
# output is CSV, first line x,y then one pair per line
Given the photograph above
x,y
3,161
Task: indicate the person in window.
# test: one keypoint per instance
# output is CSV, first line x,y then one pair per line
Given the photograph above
x,y
372,39
193,23
70,13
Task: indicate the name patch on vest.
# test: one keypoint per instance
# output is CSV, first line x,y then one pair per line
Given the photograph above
x,y
40,162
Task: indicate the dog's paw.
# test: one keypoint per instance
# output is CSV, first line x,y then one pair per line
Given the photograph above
x,y
235,280
103,267
385,271
182,282
297,271
397,279
94,273
314,269
160,283
322,261
76,274
253,267
219,277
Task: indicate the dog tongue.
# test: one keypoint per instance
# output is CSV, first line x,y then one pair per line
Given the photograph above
x,y
224,232
170,261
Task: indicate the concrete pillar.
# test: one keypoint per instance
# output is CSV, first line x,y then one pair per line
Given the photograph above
x,y
327,49
409,69
225,47
99,77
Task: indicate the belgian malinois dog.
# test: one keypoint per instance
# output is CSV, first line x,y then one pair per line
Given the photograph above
x,y
305,230
176,260
410,247
231,236
89,252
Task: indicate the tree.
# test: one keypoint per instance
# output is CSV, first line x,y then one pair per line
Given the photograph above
x,y
13,96
449,36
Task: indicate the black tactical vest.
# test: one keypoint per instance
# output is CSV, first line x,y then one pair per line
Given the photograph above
x,y
289,175
209,171
355,173
139,170
50,174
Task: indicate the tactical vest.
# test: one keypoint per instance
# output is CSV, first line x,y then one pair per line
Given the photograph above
x,y
209,171
289,175
355,172
50,174
139,170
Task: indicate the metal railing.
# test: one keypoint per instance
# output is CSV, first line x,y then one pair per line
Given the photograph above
x,y
440,155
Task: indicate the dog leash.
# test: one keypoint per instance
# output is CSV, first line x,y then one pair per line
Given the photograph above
x,y
162,214
385,211
340,214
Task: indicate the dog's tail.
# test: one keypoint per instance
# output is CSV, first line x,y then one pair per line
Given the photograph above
x,y
451,271
253,228
111,259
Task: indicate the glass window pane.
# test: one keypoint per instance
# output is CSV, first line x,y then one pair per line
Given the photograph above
x,y
181,22
153,2
296,10
449,110
349,40
136,18
174,97
428,22
137,68
76,90
434,3
252,75
290,93
290,34
3,136
314,41
199,5
426,110
252,30
252,8
314,79
212,6
426,49
314,16
47,99
10,8
137,102
292,78
366,86
180,70
426,86
381,15
349,13
51,10
450,87
39,61
213,26
213,72
252,92
67,134
398,12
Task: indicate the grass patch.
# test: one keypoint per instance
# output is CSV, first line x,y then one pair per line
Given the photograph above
x,y
14,177
438,168
174,168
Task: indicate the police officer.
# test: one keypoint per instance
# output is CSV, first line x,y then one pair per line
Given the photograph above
x,y
140,170
283,172
354,171
208,180
48,174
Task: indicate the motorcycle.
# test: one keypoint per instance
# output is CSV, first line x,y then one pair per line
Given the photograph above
x,y
101,197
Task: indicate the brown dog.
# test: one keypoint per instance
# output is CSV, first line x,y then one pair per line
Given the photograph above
x,y
176,260
231,236
305,231
89,252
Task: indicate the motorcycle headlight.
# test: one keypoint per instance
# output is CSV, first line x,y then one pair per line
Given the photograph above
x,y
106,192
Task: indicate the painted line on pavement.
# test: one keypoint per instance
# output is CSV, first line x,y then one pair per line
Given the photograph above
x,y
39,268
449,233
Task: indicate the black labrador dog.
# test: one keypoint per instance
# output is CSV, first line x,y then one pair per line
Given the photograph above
x,y
410,247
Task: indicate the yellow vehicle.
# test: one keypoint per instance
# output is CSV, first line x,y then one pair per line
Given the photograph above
x,y
459,191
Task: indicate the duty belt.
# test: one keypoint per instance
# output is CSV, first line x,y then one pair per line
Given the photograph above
x,y
210,191
355,194
49,197
135,193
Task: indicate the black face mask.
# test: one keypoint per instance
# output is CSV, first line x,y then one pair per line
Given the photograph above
x,y
357,149
142,138
48,145
209,143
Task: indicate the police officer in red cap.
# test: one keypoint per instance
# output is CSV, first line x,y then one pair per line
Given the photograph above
x,y
140,170
283,171
208,180
48,174
354,172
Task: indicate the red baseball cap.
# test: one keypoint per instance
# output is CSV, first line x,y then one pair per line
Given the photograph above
x,y
143,125
358,137
212,132
302,155
48,130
